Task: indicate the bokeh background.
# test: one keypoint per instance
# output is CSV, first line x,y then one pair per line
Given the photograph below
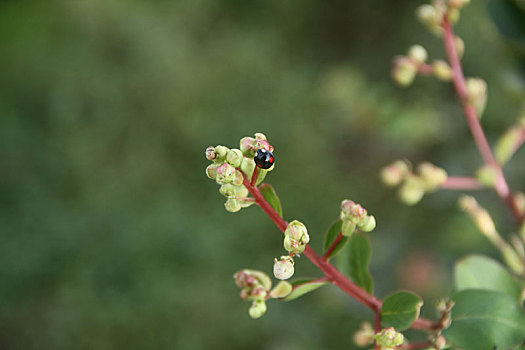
x,y
112,237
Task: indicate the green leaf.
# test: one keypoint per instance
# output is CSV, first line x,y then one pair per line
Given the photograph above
x,y
400,310
331,235
485,320
360,253
268,192
301,287
480,272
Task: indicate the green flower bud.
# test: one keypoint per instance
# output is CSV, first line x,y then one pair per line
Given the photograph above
x,y
257,293
281,290
431,17
347,228
442,70
412,190
247,167
519,199
460,46
403,71
506,145
296,237
481,218
225,173
232,205
364,336
247,146
211,171
257,309
487,175
234,157
477,94
389,338
352,211
252,278
367,224
418,53
431,175
440,342
210,153
283,268
457,3
221,151
393,174
453,15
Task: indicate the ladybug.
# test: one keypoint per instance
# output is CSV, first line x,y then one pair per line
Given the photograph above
x,y
264,159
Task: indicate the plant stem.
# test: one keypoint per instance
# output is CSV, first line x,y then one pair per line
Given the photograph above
x,y
328,269
422,345
329,251
461,183
458,80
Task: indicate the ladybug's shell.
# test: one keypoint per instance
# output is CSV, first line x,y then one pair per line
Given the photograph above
x,y
264,159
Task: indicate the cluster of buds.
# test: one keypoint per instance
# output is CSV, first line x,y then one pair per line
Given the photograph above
x,y
355,216
413,185
484,223
230,166
389,338
432,15
256,287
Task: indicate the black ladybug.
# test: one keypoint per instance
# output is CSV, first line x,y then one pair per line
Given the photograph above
x,y
264,159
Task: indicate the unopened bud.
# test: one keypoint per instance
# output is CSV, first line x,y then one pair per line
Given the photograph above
x,y
367,224
431,17
477,94
283,268
431,175
234,157
221,151
389,338
418,53
440,342
457,3
460,46
412,190
487,175
352,211
248,166
257,309
364,336
480,217
347,228
247,146
296,237
442,70
453,15
225,173
211,171
210,153
281,290
403,71
506,145
252,278
393,174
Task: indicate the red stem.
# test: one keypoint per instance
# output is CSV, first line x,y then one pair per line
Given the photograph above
x,y
377,327
461,183
328,269
422,345
254,176
329,251
458,80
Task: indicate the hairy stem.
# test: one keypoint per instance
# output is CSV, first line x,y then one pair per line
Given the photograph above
x,y
458,80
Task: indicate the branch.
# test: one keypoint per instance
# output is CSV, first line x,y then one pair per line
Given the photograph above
x,y
329,251
461,183
458,80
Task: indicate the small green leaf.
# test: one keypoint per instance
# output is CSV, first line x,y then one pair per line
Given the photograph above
x,y
400,310
360,252
480,272
330,237
485,320
302,287
270,195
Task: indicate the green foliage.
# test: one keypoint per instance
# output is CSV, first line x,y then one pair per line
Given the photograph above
x,y
330,237
484,320
400,310
360,255
270,195
302,287
480,272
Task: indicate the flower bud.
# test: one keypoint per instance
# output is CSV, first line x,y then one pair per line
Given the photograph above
x,y
238,178
457,3
296,237
477,94
487,175
252,278
347,228
442,70
232,205
225,173
418,53
247,146
247,166
431,175
221,151
431,17
460,46
210,153
281,290
283,268
403,71
389,338
352,211
440,342
481,218
412,190
234,157
453,15
393,174
364,336
506,145
257,309
367,224
519,199
211,171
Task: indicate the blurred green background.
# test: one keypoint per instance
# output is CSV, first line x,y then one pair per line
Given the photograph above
x,y
112,237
